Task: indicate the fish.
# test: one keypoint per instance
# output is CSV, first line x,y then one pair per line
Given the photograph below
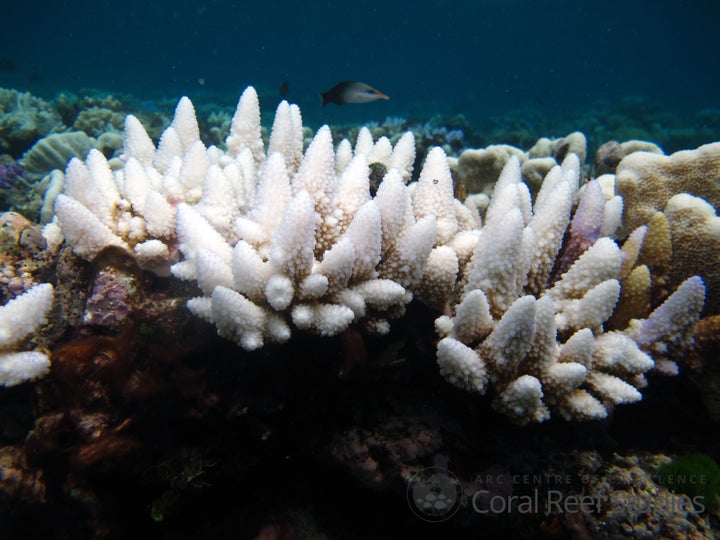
x,y
351,92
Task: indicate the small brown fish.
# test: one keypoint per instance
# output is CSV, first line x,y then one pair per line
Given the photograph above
x,y
351,92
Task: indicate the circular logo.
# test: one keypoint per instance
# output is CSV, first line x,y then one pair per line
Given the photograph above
x,y
434,494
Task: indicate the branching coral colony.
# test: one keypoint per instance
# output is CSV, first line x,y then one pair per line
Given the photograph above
x,y
280,240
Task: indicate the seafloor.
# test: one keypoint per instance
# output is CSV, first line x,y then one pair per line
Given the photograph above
x,y
151,425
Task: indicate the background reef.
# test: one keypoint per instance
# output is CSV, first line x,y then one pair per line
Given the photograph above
x,y
38,135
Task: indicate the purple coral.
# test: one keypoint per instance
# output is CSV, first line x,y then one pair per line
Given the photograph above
x,y
669,328
584,228
455,136
10,173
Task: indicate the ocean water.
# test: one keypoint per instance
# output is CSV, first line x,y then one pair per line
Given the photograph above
x,y
479,58
151,426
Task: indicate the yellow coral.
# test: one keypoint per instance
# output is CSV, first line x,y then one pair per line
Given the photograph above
x,y
647,181
695,233
656,253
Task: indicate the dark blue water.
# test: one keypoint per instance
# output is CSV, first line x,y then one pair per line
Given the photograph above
x,y
478,57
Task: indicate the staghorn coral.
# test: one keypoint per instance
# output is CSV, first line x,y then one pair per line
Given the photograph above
x,y
133,208
277,240
19,319
537,334
317,252
450,132
141,412
270,238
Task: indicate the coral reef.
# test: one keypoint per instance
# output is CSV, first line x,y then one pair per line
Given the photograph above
x,y
25,259
477,170
263,248
44,135
684,188
54,152
452,133
19,319
631,118
695,237
279,240
148,421
24,119
530,321
647,180
13,184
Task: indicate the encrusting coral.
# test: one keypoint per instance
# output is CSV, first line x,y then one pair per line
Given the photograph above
x,y
279,239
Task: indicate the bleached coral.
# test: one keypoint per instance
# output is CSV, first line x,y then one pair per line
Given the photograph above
x,y
241,192
315,251
133,207
279,240
273,240
19,319
533,302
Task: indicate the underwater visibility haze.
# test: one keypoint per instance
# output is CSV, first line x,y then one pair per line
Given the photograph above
x,y
475,58
360,270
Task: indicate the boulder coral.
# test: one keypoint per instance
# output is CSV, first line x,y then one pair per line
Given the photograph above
x,y
647,180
